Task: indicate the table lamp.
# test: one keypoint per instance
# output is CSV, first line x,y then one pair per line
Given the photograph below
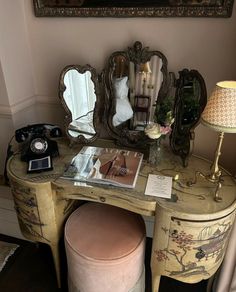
x,y
145,70
219,115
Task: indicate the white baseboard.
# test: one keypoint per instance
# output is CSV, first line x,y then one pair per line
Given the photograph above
x,y
8,218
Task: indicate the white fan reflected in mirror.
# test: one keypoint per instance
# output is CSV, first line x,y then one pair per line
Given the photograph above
x,y
80,98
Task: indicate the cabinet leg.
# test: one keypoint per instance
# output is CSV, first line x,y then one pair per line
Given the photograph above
x,y
56,260
155,283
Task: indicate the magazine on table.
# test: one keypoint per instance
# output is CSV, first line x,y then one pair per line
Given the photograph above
x,y
112,166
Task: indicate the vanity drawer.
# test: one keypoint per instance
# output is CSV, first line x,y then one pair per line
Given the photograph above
x,y
195,249
26,207
111,196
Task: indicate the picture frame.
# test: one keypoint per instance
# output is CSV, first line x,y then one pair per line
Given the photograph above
x,y
132,8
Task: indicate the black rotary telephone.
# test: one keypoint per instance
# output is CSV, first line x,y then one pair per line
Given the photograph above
x,y
37,148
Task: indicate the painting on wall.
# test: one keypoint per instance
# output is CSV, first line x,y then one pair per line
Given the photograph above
x,y
133,8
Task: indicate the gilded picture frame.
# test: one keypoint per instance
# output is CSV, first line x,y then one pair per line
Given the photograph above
x,y
132,8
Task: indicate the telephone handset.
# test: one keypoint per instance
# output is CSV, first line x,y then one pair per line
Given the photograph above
x,y
37,148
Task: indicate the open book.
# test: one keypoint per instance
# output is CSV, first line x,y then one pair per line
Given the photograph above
x,y
106,166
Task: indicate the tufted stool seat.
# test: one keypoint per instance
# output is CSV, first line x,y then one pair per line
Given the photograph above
x,y
105,249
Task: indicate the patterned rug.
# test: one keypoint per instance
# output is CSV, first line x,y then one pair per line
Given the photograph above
x,y
6,250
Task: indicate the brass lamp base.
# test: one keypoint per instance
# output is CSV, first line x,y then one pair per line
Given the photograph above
x,y
215,176
218,181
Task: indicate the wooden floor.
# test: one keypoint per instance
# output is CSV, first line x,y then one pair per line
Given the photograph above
x,y
31,269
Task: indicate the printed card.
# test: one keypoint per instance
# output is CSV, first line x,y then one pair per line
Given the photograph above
x,y
159,186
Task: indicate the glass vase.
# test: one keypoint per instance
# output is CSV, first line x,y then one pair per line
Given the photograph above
x,y
155,152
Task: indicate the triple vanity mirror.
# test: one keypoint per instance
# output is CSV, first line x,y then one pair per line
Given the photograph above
x,y
137,90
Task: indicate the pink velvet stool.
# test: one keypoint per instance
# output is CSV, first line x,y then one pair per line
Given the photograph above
x,y
105,249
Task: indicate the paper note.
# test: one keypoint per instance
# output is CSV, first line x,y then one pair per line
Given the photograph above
x,y
159,186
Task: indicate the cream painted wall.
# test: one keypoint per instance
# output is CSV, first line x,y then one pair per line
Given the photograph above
x,y
39,48
4,102
15,52
17,102
205,44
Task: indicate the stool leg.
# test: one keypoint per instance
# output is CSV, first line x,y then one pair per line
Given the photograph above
x,y
56,260
155,282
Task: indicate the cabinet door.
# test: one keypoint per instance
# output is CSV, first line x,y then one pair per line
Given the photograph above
x,y
195,249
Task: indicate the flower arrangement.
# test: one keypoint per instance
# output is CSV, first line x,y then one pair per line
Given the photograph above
x,y
156,130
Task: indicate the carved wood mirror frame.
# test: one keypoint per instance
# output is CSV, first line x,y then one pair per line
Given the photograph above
x,y
169,8
190,101
137,55
97,106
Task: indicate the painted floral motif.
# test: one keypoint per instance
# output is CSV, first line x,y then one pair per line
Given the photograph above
x,y
183,247
183,243
27,211
28,228
161,256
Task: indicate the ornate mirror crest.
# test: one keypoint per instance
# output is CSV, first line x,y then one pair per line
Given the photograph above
x,y
134,8
137,84
190,101
79,94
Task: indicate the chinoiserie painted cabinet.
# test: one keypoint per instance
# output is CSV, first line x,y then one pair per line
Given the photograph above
x,y
191,229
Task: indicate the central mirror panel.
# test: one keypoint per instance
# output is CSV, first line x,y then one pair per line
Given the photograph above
x,y
137,85
78,93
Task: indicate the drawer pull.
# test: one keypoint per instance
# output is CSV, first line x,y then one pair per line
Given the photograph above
x,y
102,199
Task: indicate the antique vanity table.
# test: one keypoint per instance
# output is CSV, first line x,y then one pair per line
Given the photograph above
x,y
191,229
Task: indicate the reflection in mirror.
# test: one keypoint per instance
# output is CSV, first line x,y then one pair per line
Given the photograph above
x,y
80,85
191,98
79,95
137,82
136,88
